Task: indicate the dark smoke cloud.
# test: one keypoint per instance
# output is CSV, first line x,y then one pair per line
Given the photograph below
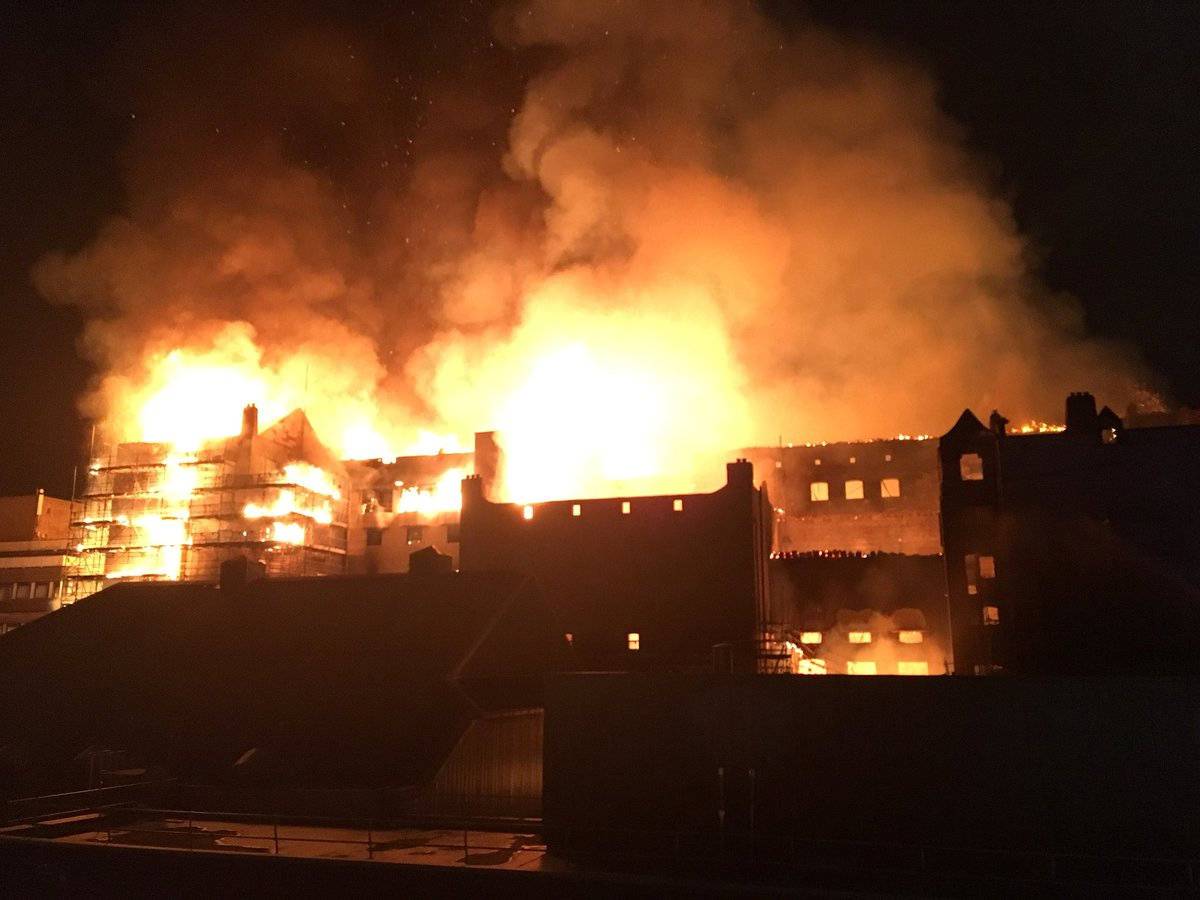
x,y
410,212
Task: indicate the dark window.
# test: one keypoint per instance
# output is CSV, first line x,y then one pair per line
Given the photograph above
x,y
385,498
452,533
22,591
374,537
416,533
41,589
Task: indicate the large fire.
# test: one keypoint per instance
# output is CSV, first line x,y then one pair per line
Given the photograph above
x,y
585,404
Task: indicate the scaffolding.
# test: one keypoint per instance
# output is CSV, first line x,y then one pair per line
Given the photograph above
x,y
149,513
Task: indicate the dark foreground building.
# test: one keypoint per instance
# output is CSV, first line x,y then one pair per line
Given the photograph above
x,y
1072,552
638,582
305,685
788,767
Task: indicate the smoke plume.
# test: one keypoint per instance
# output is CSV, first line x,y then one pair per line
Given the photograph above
x,y
672,221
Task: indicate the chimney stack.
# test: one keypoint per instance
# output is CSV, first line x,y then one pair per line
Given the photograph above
x,y
487,460
249,421
740,472
1081,413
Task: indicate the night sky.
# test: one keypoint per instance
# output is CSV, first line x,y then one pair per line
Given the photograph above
x,y
1082,113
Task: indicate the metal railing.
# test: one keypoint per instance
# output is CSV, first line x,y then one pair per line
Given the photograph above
x,y
125,825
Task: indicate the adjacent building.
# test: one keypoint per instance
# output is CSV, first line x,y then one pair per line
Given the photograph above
x,y
1075,551
35,556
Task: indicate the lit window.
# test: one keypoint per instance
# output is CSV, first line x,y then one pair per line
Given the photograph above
x,y
987,567
853,460
860,667
569,638
818,491
991,615
633,640
576,510
970,467
912,637
779,463
625,507
860,637
816,462
808,666
912,668
810,637
887,457
527,512
889,487
1108,435
677,506
854,490
971,564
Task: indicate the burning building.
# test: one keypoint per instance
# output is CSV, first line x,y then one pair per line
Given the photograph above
x,y
861,496
150,511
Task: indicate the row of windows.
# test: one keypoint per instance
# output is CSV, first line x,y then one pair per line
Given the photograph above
x,y
889,488
23,590
809,666
905,636
527,511
633,640
413,534
887,457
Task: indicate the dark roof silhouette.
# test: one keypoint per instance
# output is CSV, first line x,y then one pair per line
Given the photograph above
x,y
343,681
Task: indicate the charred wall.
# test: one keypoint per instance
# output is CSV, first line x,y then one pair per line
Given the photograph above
x,y
870,496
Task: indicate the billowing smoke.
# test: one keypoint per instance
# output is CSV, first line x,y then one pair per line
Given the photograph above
x,y
635,234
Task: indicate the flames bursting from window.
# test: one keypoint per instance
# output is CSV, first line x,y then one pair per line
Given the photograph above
x,y
428,501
